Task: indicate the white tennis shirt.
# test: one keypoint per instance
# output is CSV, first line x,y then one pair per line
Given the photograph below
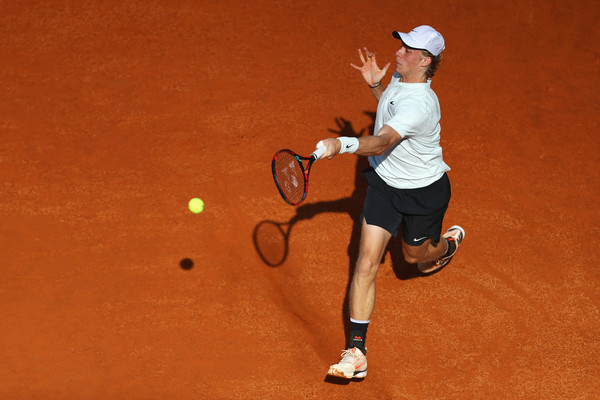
x,y
412,110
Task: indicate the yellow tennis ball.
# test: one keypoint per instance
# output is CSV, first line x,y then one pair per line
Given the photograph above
x,y
196,205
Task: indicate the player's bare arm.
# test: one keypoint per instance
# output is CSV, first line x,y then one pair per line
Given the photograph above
x,y
366,145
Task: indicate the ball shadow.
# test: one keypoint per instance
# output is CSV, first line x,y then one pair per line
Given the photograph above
x,y
186,264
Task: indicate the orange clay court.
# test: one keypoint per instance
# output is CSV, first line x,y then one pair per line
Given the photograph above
x,y
114,114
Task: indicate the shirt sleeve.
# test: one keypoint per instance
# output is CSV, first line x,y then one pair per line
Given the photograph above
x,y
409,119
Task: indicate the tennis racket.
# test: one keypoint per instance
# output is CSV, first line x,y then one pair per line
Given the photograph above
x,y
290,174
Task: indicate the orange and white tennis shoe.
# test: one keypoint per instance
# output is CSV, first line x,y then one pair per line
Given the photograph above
x,y
352,365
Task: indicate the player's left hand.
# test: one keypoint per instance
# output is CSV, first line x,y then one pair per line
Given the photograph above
x,y
369,69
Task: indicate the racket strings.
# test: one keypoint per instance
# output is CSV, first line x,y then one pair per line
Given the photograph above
x,y
290,176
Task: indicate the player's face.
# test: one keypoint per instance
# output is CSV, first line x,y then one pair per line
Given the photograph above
x,y
409,61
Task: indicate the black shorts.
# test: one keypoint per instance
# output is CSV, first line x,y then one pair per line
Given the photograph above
x,y
419,212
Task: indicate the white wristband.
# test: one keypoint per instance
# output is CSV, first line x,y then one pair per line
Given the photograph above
x,y
349,144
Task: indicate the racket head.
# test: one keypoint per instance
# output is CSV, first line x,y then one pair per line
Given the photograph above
x,y
290,176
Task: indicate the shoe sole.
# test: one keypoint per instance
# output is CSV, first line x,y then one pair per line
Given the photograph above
x,y
340,374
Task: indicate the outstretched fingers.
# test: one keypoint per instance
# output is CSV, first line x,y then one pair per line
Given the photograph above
x,y
369,69
362,60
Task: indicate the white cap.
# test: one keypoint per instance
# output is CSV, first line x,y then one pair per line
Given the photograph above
x,y
423,37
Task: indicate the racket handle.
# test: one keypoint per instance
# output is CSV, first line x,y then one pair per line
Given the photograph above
x,y
318,153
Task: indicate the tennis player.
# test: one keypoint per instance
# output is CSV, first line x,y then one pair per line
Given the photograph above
x,y
408,187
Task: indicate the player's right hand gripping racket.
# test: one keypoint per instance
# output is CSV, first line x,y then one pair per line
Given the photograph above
x,y
290,174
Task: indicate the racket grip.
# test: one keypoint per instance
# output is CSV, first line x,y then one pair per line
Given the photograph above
x,y
318,153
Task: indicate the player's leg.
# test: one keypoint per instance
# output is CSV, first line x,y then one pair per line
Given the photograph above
x,y
425,209
373,243
428,251
453,237
379,222
430,255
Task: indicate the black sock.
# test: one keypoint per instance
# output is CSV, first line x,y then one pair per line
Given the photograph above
x,y
451,247
358,335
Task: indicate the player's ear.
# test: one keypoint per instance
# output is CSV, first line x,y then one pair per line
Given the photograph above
x,y
426,61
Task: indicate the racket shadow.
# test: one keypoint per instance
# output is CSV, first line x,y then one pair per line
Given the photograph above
x,y
271,238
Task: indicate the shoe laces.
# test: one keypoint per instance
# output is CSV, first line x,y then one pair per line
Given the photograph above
x,y
348,356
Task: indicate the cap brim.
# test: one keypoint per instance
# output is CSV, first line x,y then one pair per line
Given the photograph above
x,y
408,42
